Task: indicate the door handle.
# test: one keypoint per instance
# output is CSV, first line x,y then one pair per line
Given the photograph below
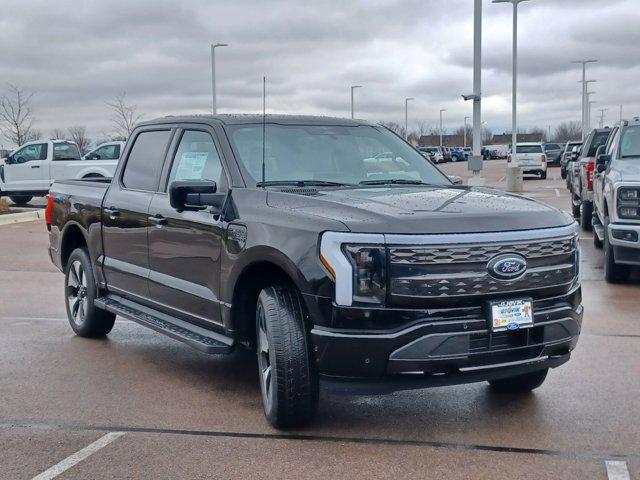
x,y
35,166
158,220
112,212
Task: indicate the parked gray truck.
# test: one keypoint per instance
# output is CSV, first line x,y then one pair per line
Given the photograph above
x,y
337,264
616,194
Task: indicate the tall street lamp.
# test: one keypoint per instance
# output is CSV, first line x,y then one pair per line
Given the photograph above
x,y
465,131
602,112
406,117
584,93
353,87
213,74
589,104
514,131
441,110
588,110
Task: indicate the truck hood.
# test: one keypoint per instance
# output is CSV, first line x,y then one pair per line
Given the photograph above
x,y
422,210
629,170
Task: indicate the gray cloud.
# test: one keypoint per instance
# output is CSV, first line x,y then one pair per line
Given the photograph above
x,y
76,55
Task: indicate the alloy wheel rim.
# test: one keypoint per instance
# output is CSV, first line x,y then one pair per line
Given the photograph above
x,y
264,362
77,293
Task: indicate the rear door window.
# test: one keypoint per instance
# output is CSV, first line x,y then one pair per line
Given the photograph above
x,y
145,160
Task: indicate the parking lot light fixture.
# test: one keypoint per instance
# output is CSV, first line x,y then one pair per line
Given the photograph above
x,y
353,87
514,126
584,93
406,117
213,74
441,111
602,112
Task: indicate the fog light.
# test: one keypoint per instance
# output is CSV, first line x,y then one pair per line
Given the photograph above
x,y
625,235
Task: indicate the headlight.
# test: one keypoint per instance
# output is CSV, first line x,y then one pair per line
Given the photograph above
x,y
369,266
629,203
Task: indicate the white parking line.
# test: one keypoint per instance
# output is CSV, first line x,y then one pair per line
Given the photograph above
x,y
557,192
617,470
79,456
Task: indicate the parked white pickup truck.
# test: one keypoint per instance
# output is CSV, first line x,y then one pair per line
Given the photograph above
x,y
30,170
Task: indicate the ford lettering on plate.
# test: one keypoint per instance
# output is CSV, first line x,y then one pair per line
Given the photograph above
x,y
511,315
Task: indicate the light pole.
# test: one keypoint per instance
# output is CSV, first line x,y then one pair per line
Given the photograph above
x,y
602,112
584,92
621,113
213,74
588,110
406,117
514,126
465,131
353,87
441,110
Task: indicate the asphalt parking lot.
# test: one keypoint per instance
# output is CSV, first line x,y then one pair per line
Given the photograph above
x,y
161,410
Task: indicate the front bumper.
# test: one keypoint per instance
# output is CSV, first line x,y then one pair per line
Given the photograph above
x,y
625,252
450,346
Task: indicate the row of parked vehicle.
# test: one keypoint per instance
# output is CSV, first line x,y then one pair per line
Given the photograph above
x,y
446,154
603,177
30,170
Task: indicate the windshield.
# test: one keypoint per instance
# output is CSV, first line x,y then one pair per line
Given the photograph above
x,y
630,143
529,149
331,154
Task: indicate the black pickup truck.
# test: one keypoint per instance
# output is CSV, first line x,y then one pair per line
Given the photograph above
x,y
331,247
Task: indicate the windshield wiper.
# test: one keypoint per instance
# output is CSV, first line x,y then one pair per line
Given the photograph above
x,y
302,183
398,181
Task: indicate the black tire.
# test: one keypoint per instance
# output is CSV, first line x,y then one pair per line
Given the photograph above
x,y
20,199
81,290
575,209
543,175
563,172
288,380
521,383
586,216
613,272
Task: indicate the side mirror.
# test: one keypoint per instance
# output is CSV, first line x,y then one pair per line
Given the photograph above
x,y
456,180
601,162
195,195
9,160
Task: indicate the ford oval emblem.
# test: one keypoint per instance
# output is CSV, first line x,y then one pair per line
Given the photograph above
x,y
513,326
507,267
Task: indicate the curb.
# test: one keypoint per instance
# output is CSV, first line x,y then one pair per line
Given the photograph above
x,y
21,217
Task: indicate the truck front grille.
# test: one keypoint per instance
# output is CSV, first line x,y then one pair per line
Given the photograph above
x,y
444,271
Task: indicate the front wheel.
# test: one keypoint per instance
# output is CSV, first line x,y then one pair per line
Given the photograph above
x,y
563,173
20,199
543,175
586,216
81,290
613,272
521,383
288,380
575,209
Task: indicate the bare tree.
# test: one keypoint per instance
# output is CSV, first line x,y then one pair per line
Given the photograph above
x,y
58,133
395,127
124,116
79,135
568,131
16,116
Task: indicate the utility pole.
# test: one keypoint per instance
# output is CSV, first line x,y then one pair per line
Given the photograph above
x,y
353,87
465,131
584,93
441,110
602,112
621,113
406,117
213,74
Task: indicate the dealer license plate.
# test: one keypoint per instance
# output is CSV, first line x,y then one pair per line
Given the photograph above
x,y
511,315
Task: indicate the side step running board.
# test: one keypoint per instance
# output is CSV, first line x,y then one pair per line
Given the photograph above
x,y
197,337
598,230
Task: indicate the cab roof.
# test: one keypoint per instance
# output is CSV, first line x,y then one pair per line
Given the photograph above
x,y
240,119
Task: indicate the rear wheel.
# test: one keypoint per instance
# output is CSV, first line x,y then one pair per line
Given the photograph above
x,y
563,172
586,216
613,272
575,208
521,383
543,175
20,199
288,381
81,290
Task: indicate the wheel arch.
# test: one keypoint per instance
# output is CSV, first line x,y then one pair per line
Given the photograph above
x,y
72,237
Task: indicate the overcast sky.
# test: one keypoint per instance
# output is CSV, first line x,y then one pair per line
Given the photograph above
x,y
77,55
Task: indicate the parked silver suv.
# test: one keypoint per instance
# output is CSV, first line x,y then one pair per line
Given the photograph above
x,y
616,192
